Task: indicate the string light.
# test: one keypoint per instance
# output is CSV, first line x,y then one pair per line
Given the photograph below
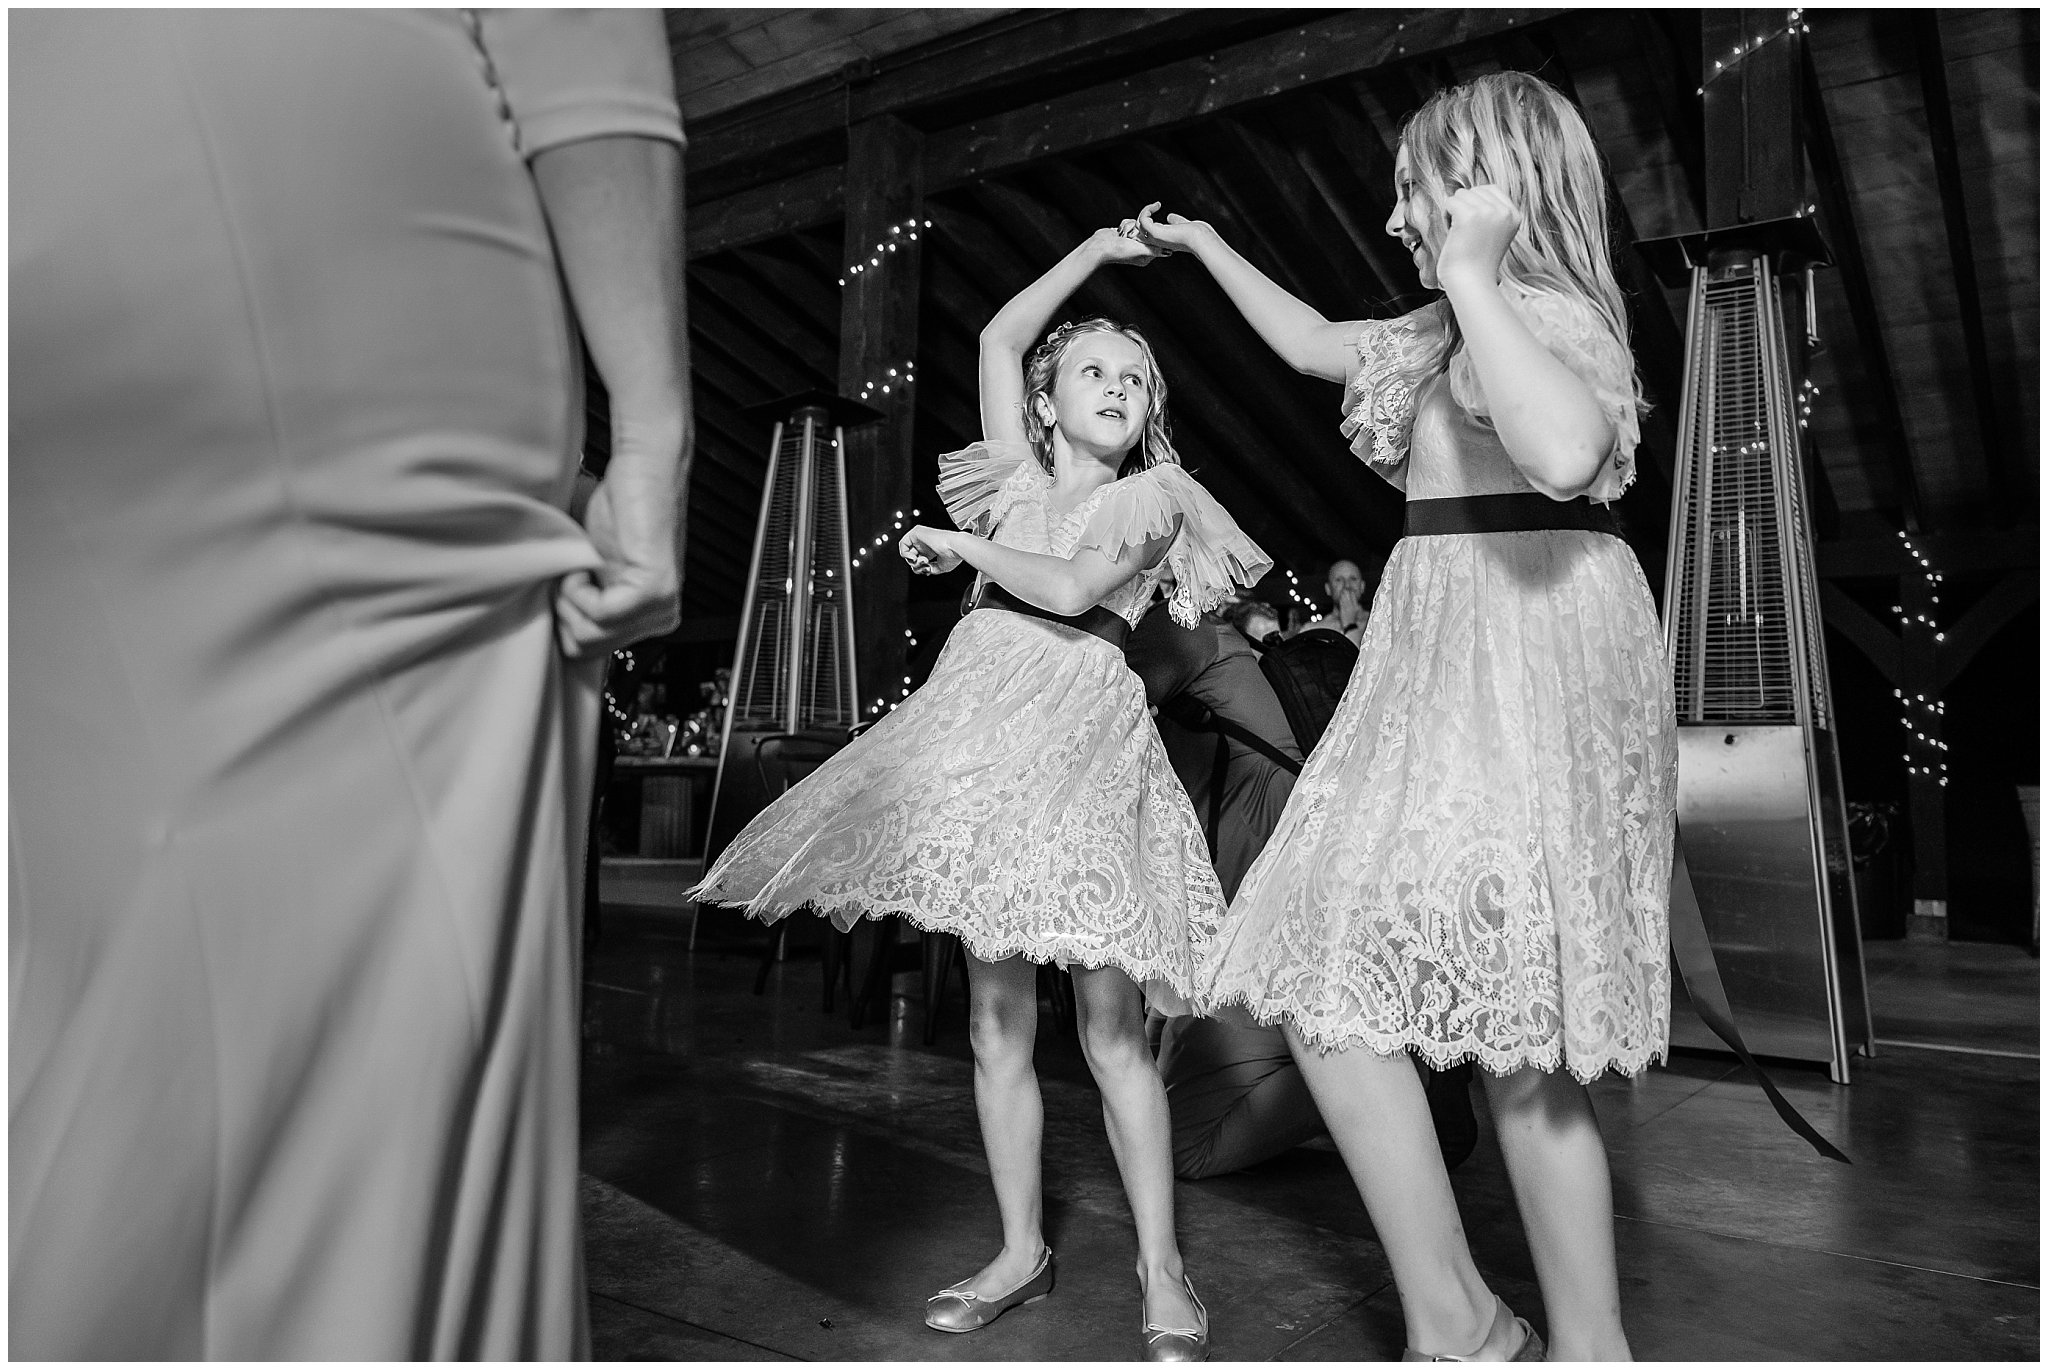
x,y
1794,23
1925,730
899,377
898,234
880,540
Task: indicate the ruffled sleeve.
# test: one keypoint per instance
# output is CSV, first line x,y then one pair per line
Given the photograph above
x,y
978,482
1209,557
1379,400
1575,334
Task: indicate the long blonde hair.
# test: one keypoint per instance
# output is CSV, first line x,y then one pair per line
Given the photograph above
x,y
1515,131
1155,444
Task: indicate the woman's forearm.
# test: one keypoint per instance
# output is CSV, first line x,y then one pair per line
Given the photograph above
x,y
1548,420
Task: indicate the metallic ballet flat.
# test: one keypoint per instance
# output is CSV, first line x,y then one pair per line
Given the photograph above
x,y
963,1310
1499,1338
1179,1343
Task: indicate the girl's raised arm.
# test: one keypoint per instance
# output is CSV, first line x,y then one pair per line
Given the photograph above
x,y
1548,419
1300,336
1015,329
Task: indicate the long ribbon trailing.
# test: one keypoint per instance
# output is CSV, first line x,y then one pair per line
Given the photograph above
x,y
1692,955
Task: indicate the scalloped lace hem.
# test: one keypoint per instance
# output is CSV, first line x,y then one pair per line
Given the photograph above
x,y
1441,1055
985,945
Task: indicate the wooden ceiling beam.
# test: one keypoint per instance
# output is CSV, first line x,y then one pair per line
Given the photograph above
x,y
1299,218
809,292
1356,187
1962,256
1670,43
1178,92
1839,218
768,211
1255,235
1007,50
813,346
728,332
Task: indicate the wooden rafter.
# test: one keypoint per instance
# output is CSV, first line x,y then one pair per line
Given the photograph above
x,y
1839,216
1308,223
1180,92
1176,93
1009,50
760,313
1941,136
1345,174
1671,40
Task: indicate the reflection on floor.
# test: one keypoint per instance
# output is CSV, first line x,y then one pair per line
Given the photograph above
x,y
763,1182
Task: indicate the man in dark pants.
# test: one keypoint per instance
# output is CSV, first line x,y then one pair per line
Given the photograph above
x,y
1236,1096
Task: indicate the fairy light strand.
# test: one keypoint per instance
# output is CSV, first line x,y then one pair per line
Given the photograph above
x,y
899,234
900,377
1920,716
1795,22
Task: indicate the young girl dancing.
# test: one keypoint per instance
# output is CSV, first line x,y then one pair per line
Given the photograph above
x,y
1021,798
1475,863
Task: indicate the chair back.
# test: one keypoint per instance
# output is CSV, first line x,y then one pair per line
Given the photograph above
x,y
785,758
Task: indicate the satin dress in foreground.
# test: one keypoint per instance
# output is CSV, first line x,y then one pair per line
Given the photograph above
x,y
298,772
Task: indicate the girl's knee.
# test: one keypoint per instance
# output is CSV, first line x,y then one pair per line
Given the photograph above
x,y
1114,1042
1002,1029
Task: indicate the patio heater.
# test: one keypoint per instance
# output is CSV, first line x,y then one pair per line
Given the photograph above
x,y
793,670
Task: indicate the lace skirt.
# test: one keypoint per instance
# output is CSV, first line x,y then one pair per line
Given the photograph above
x,y
1021,800
1475,863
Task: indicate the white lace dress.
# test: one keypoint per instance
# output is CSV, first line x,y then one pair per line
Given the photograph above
x,y
1476,860
1021,798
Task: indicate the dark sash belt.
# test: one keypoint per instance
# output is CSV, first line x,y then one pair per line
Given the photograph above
x,y
1111,627
1523,512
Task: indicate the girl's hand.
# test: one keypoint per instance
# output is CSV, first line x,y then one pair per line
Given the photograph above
x,y
930,551
1176,234
1482,222
1118,248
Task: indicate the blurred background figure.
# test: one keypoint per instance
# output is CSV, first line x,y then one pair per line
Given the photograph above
x,y
1344,587
305,655
1254,619
1234,1091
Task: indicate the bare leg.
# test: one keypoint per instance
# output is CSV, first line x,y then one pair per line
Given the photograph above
x,y
1002,999
1379,1117
1558,1165
1111,1016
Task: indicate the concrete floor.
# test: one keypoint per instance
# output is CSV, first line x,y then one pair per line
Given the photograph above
x,y
763,1182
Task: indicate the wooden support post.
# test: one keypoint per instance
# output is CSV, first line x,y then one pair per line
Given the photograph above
x,y
1920,652
883,266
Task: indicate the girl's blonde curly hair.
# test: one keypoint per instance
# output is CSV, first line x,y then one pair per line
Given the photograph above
x,y
1155,445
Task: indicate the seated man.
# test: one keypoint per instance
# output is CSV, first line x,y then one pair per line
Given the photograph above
x,y
1236,1096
